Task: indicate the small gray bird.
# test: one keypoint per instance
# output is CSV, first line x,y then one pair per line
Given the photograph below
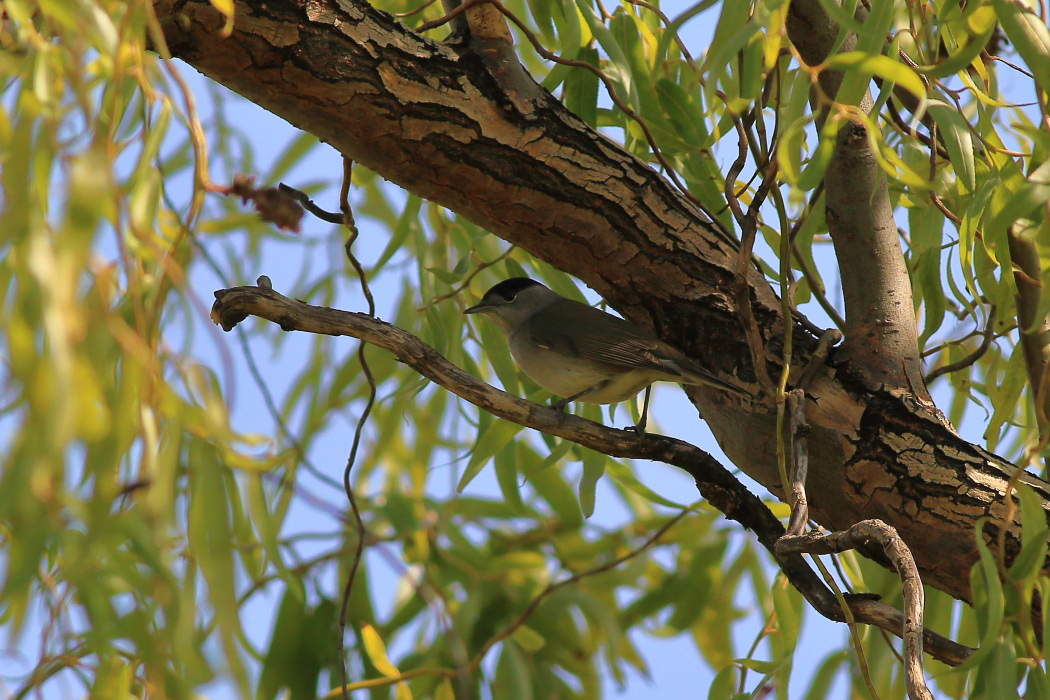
x,y
578,352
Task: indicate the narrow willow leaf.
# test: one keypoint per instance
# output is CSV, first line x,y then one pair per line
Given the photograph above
x,y
489,442
1034,531
684,112
723,687
625,476
826,672
376,651
552,488
957,140
444,691
580,89
512,680
293,154
568,23
988,603
1029,35
506,466
593,469
528,639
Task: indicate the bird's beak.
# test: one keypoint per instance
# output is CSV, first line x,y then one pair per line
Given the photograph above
x,y
480,307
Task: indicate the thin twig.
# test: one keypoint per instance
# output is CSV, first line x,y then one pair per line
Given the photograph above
x,y
468,279
348,221
986,342
551,588
797,430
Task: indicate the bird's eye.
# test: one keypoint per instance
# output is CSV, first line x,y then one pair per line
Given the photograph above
x,y
509,298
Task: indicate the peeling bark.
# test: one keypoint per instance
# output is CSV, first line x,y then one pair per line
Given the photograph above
x,y
435,122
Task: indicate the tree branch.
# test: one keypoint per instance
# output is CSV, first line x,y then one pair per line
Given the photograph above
x,y
1033,330
714,482
880,322
430,118
877,532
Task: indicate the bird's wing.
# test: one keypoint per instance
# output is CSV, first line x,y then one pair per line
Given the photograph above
x,y
574,329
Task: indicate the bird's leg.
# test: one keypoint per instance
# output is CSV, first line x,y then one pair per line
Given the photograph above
x,y
561,404
640,428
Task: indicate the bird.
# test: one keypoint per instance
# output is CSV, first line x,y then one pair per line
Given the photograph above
x,y
581,353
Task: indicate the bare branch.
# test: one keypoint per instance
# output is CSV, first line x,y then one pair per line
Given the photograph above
x,y
799,452
713,481
986,342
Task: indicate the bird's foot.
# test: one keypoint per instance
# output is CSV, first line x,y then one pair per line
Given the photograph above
x,y
560,405
640,428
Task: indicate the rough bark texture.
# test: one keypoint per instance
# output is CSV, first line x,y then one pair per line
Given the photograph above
x,y
436,123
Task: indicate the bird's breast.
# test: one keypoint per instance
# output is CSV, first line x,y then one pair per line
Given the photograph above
x,y
566,376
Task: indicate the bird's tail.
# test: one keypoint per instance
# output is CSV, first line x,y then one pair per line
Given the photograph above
x,y
695,375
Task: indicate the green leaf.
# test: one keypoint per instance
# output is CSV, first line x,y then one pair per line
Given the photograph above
x,y
512,680
684,112
766,667
568,27
593,469
625,476
528,639
293,154
1029,35
1017,199
1034,532
580,89
1037,686
829,667
489,442
552,488
376,651
957,140
858,63
290,661
723,686
988,602
506,464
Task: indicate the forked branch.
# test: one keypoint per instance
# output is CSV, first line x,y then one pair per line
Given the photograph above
x,y
863,534
858,536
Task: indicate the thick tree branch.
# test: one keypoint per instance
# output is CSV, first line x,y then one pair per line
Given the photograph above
x,y
1033,330
433,120
880,320
714,482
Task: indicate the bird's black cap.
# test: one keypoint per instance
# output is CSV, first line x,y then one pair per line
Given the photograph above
x,y
509,288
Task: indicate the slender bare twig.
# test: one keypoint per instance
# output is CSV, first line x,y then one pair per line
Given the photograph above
x,y
977,354
403,15
308,204
799,452
816,360
468,279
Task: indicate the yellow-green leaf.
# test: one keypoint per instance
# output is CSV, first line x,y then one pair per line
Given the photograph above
x,y
376,651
